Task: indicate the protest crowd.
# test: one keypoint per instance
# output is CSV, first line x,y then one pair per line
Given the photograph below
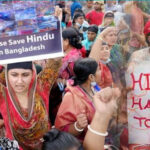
x,y
78,101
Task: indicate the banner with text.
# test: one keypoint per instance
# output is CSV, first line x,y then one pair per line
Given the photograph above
x,y
138,100
42,45
29,31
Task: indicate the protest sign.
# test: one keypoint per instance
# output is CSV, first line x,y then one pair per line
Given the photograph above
x,y
138,99
29,31
41,45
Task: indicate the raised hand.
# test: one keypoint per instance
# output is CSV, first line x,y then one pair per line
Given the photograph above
x,y
58,12
106,31
105,101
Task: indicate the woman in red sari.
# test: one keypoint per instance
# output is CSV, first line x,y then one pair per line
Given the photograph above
x,y
77,108
106,76
24,102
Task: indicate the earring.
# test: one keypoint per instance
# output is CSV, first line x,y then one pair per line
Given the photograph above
x,y
93,83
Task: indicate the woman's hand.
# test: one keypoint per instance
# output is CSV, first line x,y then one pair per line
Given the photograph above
x,y
105,32
105,101
82,121
105,104
58,12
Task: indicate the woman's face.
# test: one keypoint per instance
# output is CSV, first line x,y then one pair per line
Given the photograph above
x,y
111,37
108,21
65,44
80,20
20,79
104,53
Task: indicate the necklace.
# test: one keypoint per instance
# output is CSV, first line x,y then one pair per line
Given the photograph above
x,y
91,97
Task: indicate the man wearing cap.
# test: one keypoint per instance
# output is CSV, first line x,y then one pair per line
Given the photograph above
x,y
96,16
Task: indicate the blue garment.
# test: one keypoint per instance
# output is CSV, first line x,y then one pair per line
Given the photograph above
x,y
74,6
63,25
87,44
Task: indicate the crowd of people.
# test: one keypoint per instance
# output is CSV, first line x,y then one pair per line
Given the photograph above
x,y
78,101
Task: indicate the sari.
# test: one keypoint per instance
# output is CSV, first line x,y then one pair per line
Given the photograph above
x,y
65,72
28,126
106,77
74,102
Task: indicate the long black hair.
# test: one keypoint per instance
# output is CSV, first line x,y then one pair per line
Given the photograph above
x,y
59,140
82,69
73,36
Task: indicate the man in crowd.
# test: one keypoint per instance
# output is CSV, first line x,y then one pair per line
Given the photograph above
x,y
88,42
88,7
96,16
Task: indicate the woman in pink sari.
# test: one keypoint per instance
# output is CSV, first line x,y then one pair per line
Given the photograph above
x,y
24,102
71,46
77,108
72,51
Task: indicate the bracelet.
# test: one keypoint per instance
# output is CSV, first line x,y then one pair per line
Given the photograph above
x,y
77,129
97,133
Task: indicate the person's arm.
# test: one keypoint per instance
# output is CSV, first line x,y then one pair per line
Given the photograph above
x,y
93,141
58,13
95,54
96,48
105,103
